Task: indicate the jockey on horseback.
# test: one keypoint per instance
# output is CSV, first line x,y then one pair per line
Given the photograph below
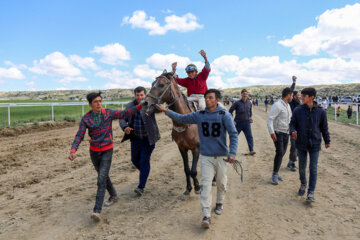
x,y
195,83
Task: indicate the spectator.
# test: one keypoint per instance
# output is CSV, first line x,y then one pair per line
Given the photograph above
x,y
266,102
338,111
349,112
324,103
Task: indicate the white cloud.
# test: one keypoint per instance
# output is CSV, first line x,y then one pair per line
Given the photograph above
x,y
113,54
230,71
144,71
55,64
31,86
62,88
139,19
84,63
67,80
120,79
337,32
167,11
161,61
11,64
11,73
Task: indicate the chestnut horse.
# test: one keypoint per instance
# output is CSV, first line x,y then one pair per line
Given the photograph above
x,y
165,90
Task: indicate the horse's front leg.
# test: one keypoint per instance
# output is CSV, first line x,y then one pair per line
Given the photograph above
x,y
184,155
193,172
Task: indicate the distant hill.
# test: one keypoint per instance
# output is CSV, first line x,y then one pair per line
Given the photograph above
x,y
112,94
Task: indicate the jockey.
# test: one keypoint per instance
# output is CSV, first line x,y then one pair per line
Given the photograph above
x,y
195,83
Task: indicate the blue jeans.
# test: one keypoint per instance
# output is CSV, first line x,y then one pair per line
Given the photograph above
x,y
246,127
314,156
140,156
102,164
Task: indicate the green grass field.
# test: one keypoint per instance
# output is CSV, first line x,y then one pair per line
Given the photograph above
x,y
25,115
343,116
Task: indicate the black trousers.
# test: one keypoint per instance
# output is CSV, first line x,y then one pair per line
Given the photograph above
x,y
280,146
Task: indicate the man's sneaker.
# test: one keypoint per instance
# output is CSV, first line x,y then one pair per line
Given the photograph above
x,y
291,166
205,223
95,216
111,201
302,190
310,197
275,179
280,178
218,209
252,153
139,191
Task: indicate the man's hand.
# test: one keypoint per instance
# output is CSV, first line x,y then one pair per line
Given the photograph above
x,y
202,53
161,108
273,137
173,66
72,156
294,78
251,120
294,135
128,130
327,146
231,159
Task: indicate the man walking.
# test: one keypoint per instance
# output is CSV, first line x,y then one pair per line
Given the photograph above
x,y
213,124
278,125
143,132
243,118
307,125
98,121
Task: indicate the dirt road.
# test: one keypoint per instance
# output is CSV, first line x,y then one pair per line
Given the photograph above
x,y
45,196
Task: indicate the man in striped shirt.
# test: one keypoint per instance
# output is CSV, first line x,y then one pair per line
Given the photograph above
x,y
98,121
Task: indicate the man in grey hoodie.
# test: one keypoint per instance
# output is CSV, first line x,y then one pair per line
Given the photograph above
x,y
213,124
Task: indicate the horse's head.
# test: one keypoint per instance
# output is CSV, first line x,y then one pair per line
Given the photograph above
x,y
160,92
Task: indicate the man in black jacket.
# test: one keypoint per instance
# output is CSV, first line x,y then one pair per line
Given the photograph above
x,y
292,156
307,124
143,132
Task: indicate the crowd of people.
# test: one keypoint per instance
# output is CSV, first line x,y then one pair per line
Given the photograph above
x,y
304,123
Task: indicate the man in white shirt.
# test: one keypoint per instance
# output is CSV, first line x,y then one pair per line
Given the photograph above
x,y
278,125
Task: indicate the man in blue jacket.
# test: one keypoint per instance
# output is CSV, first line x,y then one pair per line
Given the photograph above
x,y
243,118
143,132
213,124
307,125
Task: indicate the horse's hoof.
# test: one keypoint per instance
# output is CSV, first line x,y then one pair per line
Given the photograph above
x,y
187,192
197,191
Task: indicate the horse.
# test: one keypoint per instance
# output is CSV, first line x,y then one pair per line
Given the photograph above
x,y
165,90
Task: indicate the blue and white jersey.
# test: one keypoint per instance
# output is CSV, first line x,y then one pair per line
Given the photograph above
x,y
212,127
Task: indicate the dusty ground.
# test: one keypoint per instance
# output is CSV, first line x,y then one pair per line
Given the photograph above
x,y
45,196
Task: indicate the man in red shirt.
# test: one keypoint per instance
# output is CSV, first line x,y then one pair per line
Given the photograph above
x,y
195,83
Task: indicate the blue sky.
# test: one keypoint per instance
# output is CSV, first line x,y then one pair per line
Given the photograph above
x,y
49,45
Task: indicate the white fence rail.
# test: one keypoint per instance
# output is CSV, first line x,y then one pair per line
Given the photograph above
x,y
344,111
52,105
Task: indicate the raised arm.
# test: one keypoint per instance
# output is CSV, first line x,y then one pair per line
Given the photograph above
x,y
294,82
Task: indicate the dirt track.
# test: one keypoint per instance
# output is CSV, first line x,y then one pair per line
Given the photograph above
x,y
45,196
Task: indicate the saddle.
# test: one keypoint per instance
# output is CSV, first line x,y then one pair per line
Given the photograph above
x,y
192,105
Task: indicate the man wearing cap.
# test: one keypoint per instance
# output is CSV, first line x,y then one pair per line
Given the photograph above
x,y
195,83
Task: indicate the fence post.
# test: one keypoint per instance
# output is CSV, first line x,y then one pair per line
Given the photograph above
x,y
357,114
335,110
52,112
122,106
9,114
82,110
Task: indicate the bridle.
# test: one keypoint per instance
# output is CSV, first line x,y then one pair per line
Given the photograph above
x,y
160,98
